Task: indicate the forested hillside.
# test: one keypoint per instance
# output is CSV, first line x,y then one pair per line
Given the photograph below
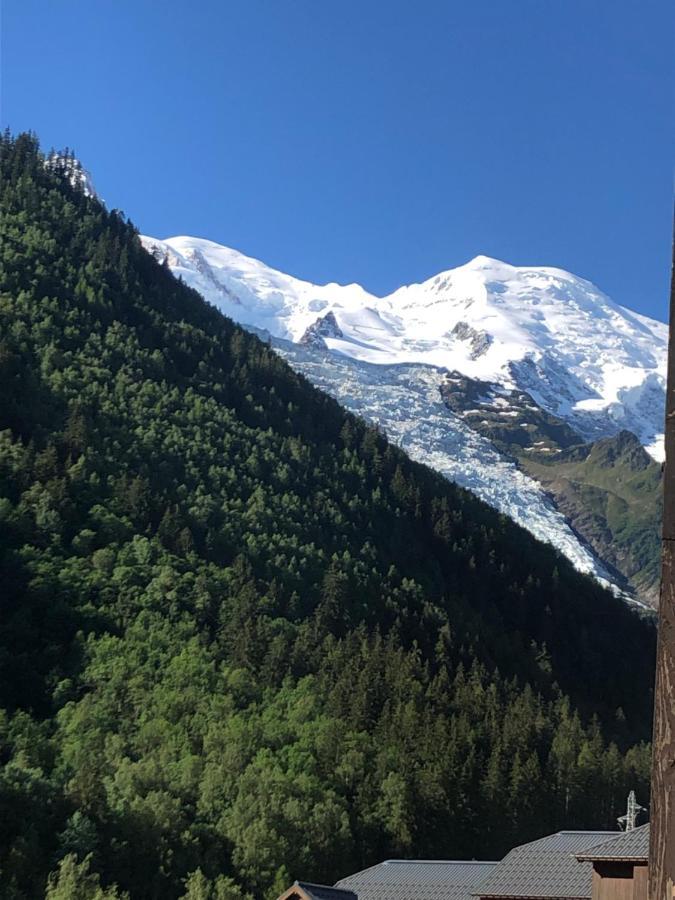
x,y
244,639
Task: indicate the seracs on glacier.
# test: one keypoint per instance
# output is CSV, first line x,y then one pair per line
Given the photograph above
x,y
582,357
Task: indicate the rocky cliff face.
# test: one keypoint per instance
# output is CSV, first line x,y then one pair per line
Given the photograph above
x,y
324,327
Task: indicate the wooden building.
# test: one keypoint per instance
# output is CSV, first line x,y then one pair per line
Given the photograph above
x,y
568,865
620,866
551,868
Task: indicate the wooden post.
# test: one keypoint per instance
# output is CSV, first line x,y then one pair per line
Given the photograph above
x,y
662,817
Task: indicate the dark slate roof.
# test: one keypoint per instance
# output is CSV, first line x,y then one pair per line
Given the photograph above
x,y
546,868
401,879
324,892
628,846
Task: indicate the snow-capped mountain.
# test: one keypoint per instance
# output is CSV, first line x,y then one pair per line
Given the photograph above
x,y
581,356
544,333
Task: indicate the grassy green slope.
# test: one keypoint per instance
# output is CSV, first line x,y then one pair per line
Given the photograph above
x,y
609,490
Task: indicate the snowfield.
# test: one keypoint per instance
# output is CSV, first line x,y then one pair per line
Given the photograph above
x,y
580,355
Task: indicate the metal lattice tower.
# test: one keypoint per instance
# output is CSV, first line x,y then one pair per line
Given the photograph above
x,y
633,810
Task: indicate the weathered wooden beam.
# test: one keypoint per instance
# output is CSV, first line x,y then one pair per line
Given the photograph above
x,y
662,815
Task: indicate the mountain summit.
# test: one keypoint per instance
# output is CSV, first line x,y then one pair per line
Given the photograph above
x,y
582,357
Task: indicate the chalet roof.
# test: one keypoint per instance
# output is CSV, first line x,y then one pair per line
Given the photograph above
x,y
547,868
401,879
628,846
324,892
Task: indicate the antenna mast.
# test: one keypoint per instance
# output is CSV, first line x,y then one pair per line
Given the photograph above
x,y
633,810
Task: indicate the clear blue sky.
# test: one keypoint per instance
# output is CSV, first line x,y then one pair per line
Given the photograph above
x,y
377,141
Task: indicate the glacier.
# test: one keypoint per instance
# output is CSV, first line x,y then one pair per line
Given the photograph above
x,y
405,401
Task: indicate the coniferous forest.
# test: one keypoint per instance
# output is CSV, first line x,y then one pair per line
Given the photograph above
x,y
243,638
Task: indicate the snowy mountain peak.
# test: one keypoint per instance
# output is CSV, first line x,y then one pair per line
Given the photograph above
x,y
593,363
486,263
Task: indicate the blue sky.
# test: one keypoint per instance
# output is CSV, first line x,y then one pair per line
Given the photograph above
x,y
377,141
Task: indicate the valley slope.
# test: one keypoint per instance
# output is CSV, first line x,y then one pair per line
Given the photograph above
x,y
245,635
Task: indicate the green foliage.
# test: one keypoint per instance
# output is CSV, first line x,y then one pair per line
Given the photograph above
x,y
199,887
74,881
244,638
611,492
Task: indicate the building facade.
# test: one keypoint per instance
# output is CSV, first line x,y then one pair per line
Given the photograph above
x,y
620,866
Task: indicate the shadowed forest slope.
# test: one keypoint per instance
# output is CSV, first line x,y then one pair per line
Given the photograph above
x,y
242,633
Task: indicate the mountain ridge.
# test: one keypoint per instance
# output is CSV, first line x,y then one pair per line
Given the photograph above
x,y
595,367
534,315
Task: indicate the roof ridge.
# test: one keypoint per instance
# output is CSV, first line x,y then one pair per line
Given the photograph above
x,y
323,887
552,834
453,862
633,844
586,831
